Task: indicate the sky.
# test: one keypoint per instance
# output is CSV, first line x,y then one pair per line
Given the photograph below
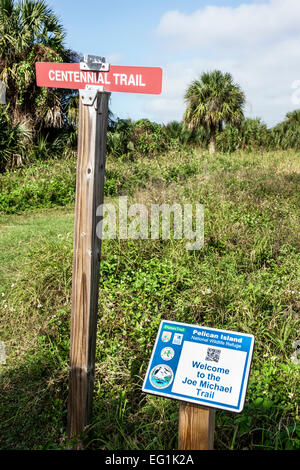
x,y
256,41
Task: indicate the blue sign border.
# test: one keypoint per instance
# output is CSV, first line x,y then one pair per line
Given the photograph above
x,y
210,336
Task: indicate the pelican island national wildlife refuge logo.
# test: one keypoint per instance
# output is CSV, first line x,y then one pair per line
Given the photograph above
x,y
161,376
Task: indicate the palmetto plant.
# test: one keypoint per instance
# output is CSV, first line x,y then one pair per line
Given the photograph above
x,y
12,140
181,132
251,135
30,32
212,100
178,131
287,133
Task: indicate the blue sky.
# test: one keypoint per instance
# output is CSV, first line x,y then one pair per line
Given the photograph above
x,y
257,41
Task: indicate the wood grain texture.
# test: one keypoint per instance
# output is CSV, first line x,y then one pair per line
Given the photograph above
x,y
196,427
86,260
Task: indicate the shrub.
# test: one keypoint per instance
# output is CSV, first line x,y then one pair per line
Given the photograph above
x,y
41,185
180,132
286,135
150,138
142,137
251,135
119,138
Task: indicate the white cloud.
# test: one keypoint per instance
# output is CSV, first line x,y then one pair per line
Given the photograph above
x,y
168,109
257,43
245,25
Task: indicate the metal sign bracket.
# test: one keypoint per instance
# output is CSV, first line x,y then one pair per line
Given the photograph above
x,y
97,64
89,93
94,62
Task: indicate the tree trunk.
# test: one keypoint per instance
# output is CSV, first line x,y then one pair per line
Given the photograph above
x,y
212,140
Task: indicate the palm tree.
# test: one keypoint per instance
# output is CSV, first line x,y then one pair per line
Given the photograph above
x,y
286,134
30,32
211,101
293,117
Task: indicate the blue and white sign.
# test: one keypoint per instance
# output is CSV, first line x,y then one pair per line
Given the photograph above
x,y
200,365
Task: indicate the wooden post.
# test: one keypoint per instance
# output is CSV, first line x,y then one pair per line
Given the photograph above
x,y
92,129
196,427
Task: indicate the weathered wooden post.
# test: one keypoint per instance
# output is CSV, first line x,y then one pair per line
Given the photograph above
x,y
93,117
196,426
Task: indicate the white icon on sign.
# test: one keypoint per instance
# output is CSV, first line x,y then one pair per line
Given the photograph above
x,y
161,376
177,338
167,353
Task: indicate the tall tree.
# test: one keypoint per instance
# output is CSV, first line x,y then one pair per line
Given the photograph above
x,y
30,32
212,100
286,134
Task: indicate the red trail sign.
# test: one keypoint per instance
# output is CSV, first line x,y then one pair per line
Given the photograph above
x,y
126,79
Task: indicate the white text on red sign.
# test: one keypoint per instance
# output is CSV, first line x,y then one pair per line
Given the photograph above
x,y
118,78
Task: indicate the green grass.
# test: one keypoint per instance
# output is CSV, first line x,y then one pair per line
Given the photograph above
x,y
246,278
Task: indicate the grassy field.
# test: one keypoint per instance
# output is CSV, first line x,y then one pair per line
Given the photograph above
x,y
246,278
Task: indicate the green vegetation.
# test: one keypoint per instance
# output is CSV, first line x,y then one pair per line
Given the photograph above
x,y
43,184
12,140
126,138
251,135
30,32
287,133
35,119
246,278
